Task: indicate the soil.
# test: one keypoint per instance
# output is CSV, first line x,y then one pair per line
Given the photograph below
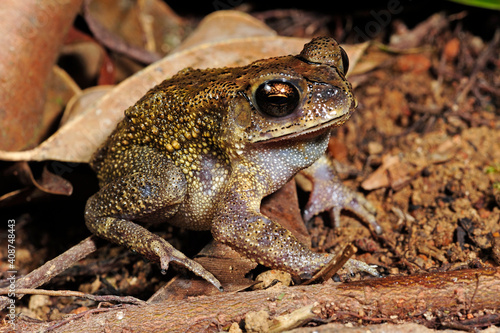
x,y
423,146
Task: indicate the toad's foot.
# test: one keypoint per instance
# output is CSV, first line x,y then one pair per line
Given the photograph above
x,y
166,253
353,266
330,194
333,197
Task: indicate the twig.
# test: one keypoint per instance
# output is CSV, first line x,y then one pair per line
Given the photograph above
x,y
334,265
71,293
76,316
52,268
480,64
472,325
431,109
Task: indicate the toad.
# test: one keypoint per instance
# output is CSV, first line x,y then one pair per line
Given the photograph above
x,y
202,149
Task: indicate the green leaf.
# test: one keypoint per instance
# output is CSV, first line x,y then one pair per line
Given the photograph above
x,y
492,169
489,4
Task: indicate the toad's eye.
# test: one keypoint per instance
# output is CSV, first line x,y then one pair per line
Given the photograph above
x,y
345,61
277,98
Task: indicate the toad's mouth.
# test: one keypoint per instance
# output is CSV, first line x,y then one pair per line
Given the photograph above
x,y
310,132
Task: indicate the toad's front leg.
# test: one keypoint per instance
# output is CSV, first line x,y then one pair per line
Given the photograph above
x,y
239,224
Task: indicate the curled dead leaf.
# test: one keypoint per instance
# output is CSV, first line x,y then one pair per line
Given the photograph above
x,y
32,33
223,26
141,30
48,182
86,99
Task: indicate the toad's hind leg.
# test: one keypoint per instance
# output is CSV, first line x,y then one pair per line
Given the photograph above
x,y
152,192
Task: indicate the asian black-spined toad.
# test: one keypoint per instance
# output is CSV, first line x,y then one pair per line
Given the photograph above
x,y
202,149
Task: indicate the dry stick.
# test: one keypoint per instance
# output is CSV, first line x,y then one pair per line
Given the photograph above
x,y
76,316
480,64
334,265
475,323
52,268
403,297
71,293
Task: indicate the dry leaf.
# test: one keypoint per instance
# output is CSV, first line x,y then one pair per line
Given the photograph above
x,y
84,100
392,173
372,61
60,89
93,62
142,30
223,26
34,188
31,33
83,59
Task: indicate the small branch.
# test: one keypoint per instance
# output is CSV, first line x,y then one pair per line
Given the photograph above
x,y
76,316
71,293
480,64
52,268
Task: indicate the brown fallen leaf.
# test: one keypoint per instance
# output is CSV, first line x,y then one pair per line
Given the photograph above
x,y
60,89
142,30
80,137
46,183
223,26
29,28
392,173
227,265
371,61
82,101
94,63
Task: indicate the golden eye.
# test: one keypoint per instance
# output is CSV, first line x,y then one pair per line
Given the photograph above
x,y
277,98
345,61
